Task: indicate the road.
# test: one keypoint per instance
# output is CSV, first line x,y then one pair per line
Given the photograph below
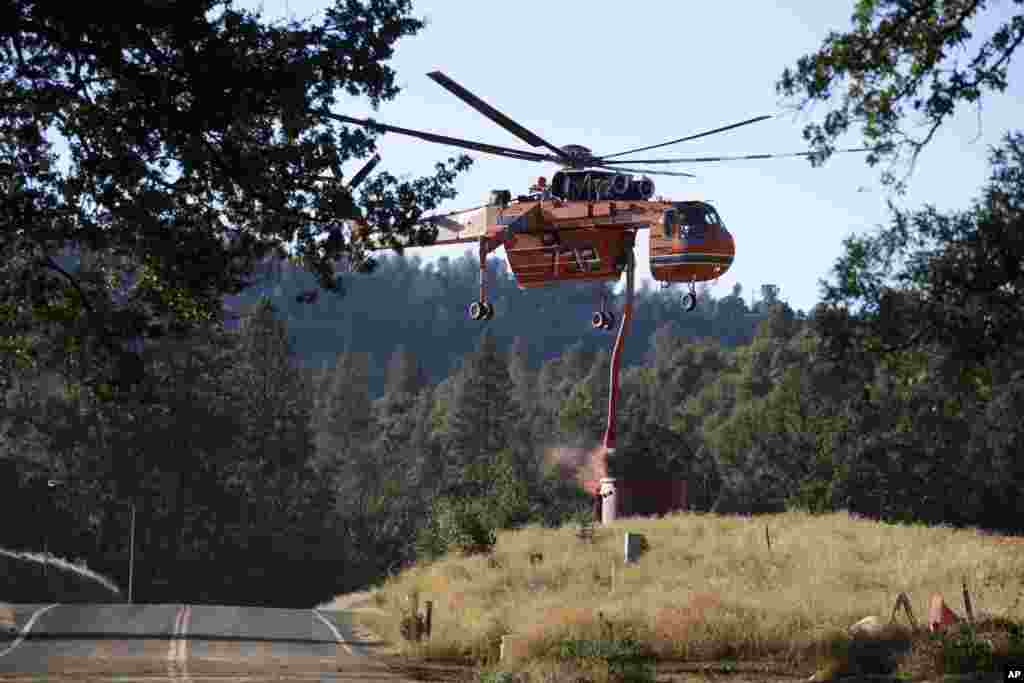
x,y
157,643
186,642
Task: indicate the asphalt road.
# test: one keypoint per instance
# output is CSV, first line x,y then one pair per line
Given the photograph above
x,y
182,642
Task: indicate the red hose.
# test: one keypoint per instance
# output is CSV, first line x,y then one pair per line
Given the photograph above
x,y
620,342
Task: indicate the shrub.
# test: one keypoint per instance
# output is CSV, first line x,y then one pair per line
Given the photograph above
x,y
457,524
968,650
964,652
628,661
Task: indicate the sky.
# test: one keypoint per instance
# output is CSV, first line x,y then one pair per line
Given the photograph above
x,y
615,76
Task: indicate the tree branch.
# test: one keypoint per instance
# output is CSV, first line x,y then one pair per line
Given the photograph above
x,y
16,41
52,265
48,262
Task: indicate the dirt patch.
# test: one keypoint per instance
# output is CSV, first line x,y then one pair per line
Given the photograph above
x,y
731,672
1007,540
666,672
367,632
430,671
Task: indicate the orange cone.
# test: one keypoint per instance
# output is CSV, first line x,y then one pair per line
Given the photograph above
x,y
939,615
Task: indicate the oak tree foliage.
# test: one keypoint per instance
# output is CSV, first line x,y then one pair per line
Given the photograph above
x,y
948,282
197,148
900,71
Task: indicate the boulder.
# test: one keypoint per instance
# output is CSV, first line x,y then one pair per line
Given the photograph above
x,y
940,616
7,624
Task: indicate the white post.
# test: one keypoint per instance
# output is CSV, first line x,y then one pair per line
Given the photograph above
x,y
131,555
609,502
634,542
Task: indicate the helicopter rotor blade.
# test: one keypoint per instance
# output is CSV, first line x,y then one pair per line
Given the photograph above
x,y
493,114
360,176
646,172
699,160
445,140
689,137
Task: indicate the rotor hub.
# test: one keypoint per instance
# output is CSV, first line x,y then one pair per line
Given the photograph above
x,y
579,156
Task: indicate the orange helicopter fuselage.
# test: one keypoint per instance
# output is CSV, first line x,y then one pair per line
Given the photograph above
x,y
549,241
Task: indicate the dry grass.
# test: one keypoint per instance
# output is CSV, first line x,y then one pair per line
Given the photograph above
x,y
709,588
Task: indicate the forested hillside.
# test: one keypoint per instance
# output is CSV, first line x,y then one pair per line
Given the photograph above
x,y
334,426
331,431
245,454
365,430
422,307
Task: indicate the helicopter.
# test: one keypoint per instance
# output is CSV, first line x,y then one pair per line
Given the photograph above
x,y
582,225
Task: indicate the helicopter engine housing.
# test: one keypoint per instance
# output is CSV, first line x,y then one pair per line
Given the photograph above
x,y
644,187
592,185
620,184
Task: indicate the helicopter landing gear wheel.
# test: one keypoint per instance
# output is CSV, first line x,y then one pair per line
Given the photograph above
x,y
602,320
481,310
690,298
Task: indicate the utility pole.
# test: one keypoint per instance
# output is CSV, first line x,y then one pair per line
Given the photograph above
x,y
54,483
131,555
50,485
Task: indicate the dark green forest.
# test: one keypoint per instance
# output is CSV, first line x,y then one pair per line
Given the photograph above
x,y
303,445
423,307
330,431
377,426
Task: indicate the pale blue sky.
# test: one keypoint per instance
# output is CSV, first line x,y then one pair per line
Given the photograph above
x,y
617,75
613,76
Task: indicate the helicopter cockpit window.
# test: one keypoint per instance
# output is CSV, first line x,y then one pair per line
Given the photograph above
x,y
692,225
694,215
715,218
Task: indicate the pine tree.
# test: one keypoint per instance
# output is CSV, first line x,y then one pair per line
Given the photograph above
x,y
344,414
266,376
276,438
404,373
385,485
548,400
583,415
393,422
426,449
576,362
522,377
289,492
481,417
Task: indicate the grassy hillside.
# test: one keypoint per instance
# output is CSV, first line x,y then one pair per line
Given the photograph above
x,y
709,589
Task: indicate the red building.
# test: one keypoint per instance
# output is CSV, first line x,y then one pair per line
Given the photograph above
x,y
644,497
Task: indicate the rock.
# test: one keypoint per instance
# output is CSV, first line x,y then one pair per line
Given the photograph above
x,y
7,624
939,615
868,627
877,628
